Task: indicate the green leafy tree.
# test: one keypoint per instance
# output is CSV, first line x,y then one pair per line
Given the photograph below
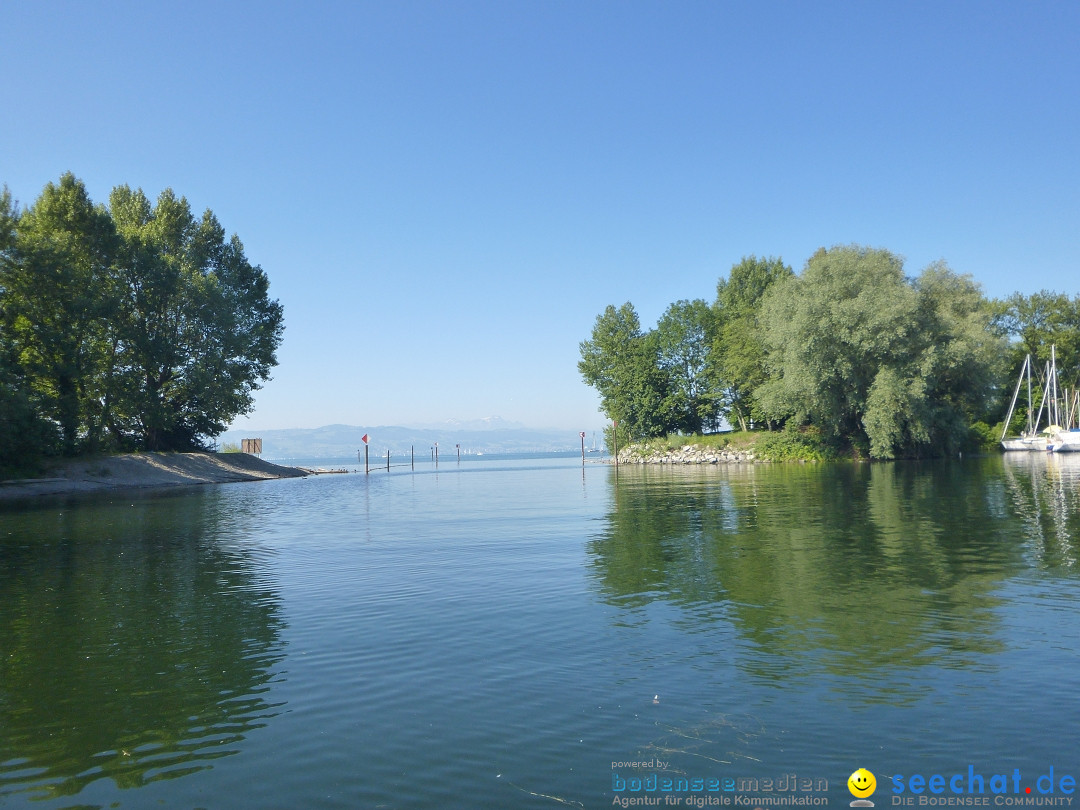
x,y
24,435
737,357
620,362
1035,323
873,359
1040,320
683,337
963,360
9,219
199,329
828,332
59,295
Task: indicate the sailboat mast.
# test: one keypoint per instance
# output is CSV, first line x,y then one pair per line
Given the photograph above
x,y
1031,427
1055,418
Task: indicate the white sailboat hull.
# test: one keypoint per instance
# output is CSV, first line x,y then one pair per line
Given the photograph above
x,y
1028,443
1067,441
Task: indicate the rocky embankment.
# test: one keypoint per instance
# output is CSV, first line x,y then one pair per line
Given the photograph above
x,y
687,454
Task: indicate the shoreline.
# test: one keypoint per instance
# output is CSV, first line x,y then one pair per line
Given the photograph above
x,y
144,470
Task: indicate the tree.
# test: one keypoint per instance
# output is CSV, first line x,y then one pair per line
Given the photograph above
x,y
683,336
9,219
59,296
871,358
24,434
737,356
962,358
199,329
1038,322
141,323
620,362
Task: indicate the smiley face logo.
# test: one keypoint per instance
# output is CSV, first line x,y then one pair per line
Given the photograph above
x,y
861,783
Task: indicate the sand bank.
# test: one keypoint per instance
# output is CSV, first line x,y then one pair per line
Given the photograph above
x,y
146,470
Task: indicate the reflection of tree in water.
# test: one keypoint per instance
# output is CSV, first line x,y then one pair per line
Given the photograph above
x,y
135,643
846,568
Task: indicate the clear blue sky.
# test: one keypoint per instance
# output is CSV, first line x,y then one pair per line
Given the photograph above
x,y
445,195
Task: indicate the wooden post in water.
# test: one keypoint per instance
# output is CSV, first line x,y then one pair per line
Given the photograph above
x,y
367,469
412,456
436,454
615,439
388,460
583,448
458,446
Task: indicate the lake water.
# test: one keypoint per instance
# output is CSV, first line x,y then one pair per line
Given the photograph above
x,y
519,633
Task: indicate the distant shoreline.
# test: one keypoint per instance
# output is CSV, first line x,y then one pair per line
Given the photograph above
x,y
145,470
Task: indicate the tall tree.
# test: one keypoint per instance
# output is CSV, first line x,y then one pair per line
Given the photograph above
x,y
1039,321
683,337
869,357
620,362
737,357
59,295
24,434
9,218
927,404
199,329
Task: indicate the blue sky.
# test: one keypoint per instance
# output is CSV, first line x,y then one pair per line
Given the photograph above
x,y
446,195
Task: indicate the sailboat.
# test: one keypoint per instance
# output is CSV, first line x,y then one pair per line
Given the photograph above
x,y
1053,437
1067,439
1031,438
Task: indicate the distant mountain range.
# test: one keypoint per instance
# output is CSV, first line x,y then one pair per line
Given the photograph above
x,y
491,435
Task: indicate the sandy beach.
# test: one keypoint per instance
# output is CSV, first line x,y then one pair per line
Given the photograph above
x,y
145,470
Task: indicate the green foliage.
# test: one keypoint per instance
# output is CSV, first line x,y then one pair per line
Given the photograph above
x,y
674,378
868,356
620,362
199,330
130,326
793,444
683,337
727,440
741,292
1038,322
9,219
737,356
25,437
983,438
875,363
59,294
230,447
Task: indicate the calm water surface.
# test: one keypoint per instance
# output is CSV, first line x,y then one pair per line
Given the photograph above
x,y
499,634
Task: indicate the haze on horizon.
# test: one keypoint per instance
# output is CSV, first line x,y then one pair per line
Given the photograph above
x,y
445,195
